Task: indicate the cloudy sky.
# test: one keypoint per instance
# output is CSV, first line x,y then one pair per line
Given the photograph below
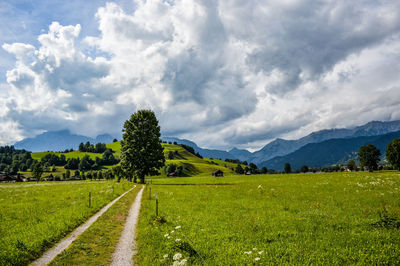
x,y
222,73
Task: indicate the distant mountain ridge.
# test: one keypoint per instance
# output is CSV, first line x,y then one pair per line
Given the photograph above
x,y
58,141
330,152
281,147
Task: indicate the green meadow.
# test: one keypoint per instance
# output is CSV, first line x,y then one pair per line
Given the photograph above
x,y
327,218
35,216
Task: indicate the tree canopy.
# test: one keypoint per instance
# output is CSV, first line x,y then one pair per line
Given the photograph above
x,y
141,149
369,157
393,153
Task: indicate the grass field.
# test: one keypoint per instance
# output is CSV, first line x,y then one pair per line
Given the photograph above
x,y
331,218
73,154
35,216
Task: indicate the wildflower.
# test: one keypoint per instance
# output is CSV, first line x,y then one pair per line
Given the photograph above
x,y
254,249
257,259
178,239
183,262
261,252
260,187
247,252
178,227
177,256
165,256
166,235
173,231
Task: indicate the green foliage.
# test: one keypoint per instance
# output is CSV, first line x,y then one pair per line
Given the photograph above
x,y
141,149
369,157
304,169
287,168
393,153
351,165
37,171
88,147
239,169
12,160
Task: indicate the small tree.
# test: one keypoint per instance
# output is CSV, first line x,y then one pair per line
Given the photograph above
x,y
264,170
37,172
239,169
67,174
141,149
351,165
287,168
369,157
304,169
393,153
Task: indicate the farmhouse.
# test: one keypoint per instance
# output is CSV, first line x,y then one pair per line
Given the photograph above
x,y
217,173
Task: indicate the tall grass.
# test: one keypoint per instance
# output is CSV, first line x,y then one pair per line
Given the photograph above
x,y
33,217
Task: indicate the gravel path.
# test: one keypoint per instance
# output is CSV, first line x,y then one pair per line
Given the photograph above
x,y
49,255
126,245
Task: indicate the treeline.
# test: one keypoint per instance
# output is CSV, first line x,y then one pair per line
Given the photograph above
x,y
88,147
12,160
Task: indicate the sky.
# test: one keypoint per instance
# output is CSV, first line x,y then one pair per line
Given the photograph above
x,y
230,73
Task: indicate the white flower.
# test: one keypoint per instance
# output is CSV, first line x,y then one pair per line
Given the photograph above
x,y
257,259
178,239
183,262
178,227
173,231
261,252
165,256
260,187
177,256
254,249
247,252
166,235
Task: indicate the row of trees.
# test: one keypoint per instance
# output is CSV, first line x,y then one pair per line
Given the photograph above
x,y
88,147
12,160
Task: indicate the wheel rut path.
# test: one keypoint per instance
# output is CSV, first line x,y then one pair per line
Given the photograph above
x,y
126,246
50,254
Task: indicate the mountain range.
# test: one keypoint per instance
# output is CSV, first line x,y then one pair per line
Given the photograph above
x,y
58,141
333,143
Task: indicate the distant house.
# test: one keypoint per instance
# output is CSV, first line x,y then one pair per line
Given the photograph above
x,y
217,173
172,174
248,173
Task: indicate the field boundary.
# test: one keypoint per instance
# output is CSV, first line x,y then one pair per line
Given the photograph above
x,y
50,254
126,246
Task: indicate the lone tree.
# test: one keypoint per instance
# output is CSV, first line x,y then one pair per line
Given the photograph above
x,y
141,149
369,157
287,168
393,153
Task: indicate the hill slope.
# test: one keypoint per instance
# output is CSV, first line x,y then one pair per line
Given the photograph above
x,y
329,152
191,164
